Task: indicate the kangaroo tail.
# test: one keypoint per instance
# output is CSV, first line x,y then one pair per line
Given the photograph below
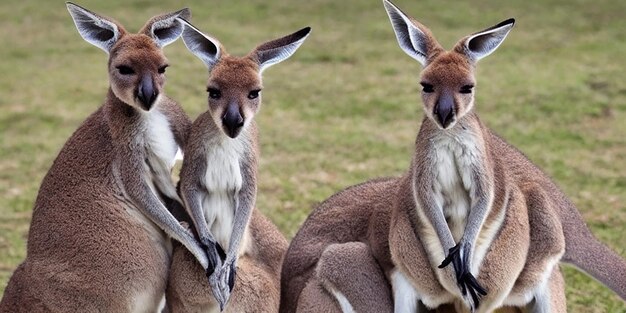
x,y
587,253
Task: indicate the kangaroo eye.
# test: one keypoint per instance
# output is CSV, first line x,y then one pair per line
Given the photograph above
x,y
162,69
427,88
125,70
467,89
214,93
254,94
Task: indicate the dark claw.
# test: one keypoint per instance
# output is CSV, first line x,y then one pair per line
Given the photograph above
x,y
455,258
212,256
474,284
220,251
475,297
475,290
460,268
454,251
231,277
465,279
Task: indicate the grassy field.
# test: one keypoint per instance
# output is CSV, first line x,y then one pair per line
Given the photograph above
x,y
345,107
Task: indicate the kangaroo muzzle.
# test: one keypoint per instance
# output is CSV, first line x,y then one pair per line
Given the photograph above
x,y
232,120
146,92
444,110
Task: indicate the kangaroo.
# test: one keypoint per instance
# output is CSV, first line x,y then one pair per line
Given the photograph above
x,y
99,236
503,222
468,184
218,186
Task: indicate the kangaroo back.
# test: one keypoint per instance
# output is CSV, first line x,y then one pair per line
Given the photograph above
x,y
359,213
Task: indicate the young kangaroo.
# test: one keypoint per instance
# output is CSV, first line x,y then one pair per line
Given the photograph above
x,y
503,221
218,185
99,236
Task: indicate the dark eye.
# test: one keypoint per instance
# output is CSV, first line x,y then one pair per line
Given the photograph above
x,y
467,89
125,70
214,93
254,94
427,88
162,69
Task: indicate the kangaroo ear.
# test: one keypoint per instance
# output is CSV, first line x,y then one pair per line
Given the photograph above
x,y
483,43
414,38
204,47
278,50
165,28
95,29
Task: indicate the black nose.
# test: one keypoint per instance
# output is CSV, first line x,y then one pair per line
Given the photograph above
x,y
232,120
444,110
146,92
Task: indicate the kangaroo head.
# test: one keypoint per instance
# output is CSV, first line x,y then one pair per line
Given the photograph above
x,y
234,85
448,76
136,61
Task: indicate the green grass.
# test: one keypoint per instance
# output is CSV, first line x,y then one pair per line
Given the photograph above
x,y
344,108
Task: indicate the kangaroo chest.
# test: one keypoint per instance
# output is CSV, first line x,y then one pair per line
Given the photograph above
x,y
453,159
161,150
223,181
157,139
160,139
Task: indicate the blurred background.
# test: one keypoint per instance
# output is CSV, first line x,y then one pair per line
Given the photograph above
x,y
345,107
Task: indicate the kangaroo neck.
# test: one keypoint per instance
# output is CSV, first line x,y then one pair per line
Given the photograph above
x,y
123,120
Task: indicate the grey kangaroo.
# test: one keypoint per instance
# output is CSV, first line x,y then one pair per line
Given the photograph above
x,y
99,240
218,186
472,226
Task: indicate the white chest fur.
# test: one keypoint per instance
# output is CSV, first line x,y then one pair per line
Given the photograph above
x,y
405,297
159,137
223,182
454,156
158,140
161,151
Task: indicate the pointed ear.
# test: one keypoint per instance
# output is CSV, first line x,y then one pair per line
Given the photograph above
x,y
414,38
97,30
204,47
278,50
483,43
164,28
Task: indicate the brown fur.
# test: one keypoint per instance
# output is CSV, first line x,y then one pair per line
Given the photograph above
x,y
89,248
340,267
357,215
256,284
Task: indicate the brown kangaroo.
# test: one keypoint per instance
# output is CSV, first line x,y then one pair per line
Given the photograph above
x,y
469,199
99,236
218,186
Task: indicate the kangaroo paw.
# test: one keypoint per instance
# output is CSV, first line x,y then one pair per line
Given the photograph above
x,y
459,258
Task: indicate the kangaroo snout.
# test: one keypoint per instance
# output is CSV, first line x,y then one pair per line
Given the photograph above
x,y
146,93
444,110
232,120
